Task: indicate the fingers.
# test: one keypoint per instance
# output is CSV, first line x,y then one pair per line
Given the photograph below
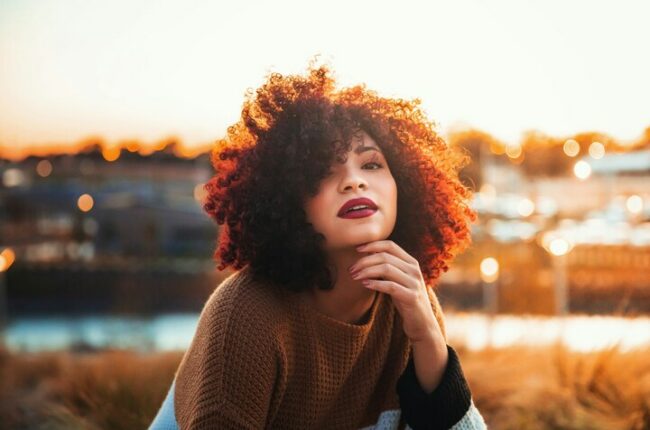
x,y
390,247
388,272
381,258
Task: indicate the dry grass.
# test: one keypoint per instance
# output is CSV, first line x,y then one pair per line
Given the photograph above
x,y
514,388
554,388
108,390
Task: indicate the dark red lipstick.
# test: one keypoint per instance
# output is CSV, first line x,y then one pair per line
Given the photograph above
x,y
357,208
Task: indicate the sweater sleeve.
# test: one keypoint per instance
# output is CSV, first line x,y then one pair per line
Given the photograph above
x,y
450,405
228,374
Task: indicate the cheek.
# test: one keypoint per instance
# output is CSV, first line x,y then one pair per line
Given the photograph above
x,y
316,209
319,207
390,190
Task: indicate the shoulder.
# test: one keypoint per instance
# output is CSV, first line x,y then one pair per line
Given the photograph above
x,y
241,293
243,305
238,320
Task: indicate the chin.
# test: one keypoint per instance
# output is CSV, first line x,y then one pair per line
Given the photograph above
x,y
358,239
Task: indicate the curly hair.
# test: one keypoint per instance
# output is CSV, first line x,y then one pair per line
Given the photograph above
x,y
290,132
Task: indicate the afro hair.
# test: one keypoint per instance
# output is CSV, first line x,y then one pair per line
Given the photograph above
x,y
290,132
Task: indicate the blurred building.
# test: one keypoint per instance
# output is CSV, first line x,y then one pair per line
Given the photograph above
x,y
81,207
84,229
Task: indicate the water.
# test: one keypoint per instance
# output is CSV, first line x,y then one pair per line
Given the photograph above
x,y
578,332
473,330
160,333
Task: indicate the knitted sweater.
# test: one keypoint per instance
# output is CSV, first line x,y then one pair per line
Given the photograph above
x,y
261,358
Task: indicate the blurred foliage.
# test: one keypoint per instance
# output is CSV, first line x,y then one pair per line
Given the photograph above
x,y
541,155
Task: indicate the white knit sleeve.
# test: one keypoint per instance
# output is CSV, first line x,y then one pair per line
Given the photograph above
x,y
472,420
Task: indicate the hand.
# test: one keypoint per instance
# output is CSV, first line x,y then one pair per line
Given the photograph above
x,y
391,270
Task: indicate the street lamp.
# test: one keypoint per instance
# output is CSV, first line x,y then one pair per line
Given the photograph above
x,y
559,247
489,276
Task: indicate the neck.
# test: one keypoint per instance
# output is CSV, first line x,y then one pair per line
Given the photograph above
x,y
349,301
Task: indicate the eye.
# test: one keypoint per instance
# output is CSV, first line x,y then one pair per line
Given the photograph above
x,y
374,161
379,166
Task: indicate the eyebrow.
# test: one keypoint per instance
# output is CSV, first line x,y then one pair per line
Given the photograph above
x,y
362,149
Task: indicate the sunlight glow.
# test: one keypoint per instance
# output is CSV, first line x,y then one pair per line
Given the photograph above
x,y
144,70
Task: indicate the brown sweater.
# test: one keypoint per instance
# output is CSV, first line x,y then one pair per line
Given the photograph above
x,y
260,358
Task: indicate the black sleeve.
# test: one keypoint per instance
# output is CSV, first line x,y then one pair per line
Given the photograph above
x,y
443,407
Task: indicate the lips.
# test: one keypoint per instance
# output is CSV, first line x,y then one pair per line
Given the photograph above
x,y
363,201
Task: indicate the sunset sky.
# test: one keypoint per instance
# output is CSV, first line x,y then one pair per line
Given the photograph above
x,y
149,69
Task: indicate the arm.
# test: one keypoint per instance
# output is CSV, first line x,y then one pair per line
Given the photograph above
x,y
433,391
449,405
430,352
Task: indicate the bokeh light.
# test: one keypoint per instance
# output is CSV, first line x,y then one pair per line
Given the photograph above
x,y
559,246
526,207
13,177
489,269
513,151
200,193
7,258
582,170
111,154
497,148
596,150
85,202
571,147
44,168
634,204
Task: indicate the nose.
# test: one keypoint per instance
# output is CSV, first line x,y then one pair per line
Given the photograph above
x,y
352,180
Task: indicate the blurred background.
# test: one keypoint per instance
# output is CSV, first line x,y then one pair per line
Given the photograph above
x,y
107,115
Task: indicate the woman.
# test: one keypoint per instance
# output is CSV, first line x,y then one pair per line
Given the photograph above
x,y
340,210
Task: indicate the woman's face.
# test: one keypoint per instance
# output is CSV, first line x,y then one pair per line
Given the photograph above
x,y
365,174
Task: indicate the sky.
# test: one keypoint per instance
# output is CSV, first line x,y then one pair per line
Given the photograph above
x,y
145,70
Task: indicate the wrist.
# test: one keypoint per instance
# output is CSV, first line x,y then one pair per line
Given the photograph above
x,y
432,335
